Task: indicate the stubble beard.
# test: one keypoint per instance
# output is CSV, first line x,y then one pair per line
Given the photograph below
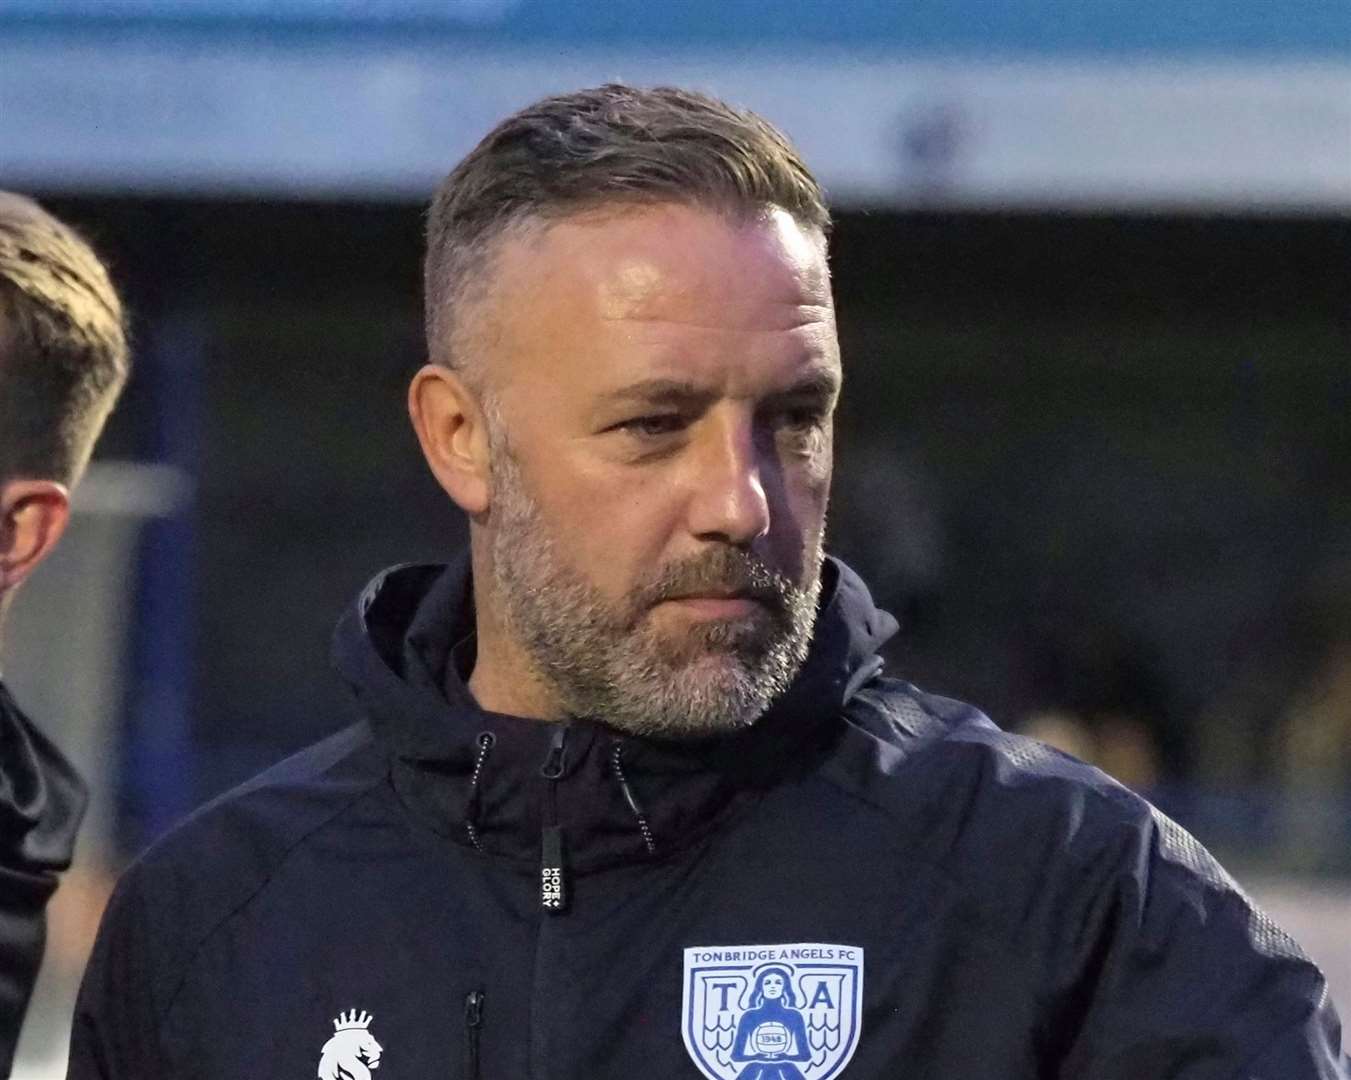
x,y
614,664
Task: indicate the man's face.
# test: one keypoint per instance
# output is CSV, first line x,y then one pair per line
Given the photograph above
x,y
661,384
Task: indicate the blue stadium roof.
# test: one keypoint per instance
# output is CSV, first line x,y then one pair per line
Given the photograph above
x,y
934,27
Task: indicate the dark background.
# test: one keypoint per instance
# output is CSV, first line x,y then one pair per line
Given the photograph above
x,y
1098,466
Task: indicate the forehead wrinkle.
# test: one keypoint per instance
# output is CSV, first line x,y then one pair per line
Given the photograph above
x,y
647,290
633,290
818,378
722,328
809,316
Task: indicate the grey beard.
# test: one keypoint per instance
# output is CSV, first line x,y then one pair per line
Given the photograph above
x,y
613,666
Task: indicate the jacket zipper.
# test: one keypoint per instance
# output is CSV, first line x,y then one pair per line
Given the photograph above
x,y
473,1021
553,895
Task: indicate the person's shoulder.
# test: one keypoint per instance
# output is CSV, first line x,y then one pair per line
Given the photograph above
x,y
1089,889
1001,805
941,746
193,879
265,817
210,863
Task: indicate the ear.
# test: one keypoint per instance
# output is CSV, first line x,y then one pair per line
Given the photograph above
x,y
33,515
453,431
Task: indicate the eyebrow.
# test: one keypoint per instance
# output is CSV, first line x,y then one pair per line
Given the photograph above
x,y
659,391
818,383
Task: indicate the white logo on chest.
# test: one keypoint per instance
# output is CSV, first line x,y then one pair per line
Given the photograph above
x,y
352,1052
772,1012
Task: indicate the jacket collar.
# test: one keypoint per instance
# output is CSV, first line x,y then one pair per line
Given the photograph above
x,y
477,777
41,797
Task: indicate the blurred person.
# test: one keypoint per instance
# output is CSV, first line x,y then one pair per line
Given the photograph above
x,y
1115,742
63,361
630,795
1065,731
1282,725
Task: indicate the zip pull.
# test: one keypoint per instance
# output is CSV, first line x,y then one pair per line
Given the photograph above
x,y
552,895
552,768
473,1021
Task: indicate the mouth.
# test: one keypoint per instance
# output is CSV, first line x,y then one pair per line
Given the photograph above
x,y
717,605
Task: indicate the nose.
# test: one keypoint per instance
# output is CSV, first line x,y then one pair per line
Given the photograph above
x,y
728,503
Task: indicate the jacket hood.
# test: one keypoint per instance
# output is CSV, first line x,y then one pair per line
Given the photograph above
x,y
406,647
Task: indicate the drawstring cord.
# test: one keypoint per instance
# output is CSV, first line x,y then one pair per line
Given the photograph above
x,y
617,763
485,745
486,740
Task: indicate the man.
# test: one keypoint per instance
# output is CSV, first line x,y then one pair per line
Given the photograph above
x,y
63,360
631,797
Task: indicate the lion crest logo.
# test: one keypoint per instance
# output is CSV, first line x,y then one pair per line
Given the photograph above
x,y
352,1052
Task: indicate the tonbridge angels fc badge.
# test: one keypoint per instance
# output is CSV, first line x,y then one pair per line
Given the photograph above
x,y
772,1012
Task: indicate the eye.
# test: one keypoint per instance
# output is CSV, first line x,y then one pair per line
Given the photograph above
x,y
803,417
802,426
652,426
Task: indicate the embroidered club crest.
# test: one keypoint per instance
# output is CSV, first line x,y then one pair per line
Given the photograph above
x,y
352,1052
772,1012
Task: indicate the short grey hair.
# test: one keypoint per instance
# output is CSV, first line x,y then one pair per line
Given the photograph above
x,y
611,145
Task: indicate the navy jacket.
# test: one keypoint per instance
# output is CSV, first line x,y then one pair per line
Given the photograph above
x,y
870,882
41,803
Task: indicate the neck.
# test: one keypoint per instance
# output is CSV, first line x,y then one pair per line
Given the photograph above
x,y
505,679
500,686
